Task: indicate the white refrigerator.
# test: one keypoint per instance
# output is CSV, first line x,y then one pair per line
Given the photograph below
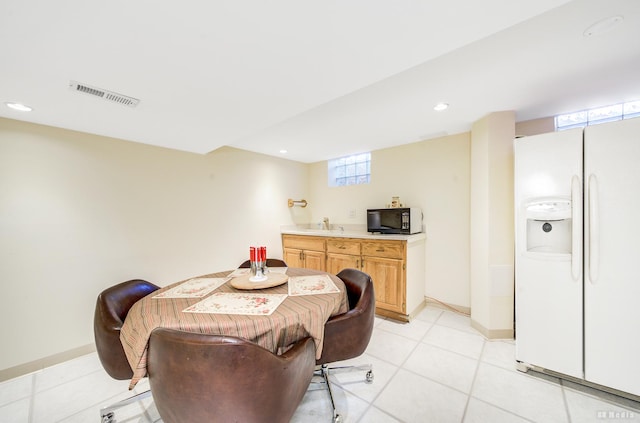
x,y
577,264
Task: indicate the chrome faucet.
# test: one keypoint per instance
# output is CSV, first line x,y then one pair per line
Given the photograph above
x,y
325,223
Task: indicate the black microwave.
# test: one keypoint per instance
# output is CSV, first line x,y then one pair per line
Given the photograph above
x,y
403,220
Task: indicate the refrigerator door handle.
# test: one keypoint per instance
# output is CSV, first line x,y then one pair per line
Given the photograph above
x,y
594,233
576,248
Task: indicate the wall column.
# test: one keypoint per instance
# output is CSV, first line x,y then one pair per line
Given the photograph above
x,y
492,233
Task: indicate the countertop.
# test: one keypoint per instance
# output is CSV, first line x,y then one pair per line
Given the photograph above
x,y
349,233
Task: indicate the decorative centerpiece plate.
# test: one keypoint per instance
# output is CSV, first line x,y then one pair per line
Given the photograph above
x,y
273,279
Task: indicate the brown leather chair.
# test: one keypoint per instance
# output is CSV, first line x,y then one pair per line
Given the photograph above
x,y
347,335
270,263
112,306
214,378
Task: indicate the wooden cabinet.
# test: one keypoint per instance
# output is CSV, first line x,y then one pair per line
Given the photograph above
x,y
398,281
304,251
343,253
385,262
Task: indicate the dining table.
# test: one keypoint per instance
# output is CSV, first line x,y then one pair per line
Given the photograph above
x,y
292,304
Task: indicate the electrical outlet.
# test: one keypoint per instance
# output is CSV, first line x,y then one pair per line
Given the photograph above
x,y
352,213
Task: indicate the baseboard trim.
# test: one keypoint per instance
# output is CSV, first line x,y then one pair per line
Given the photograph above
x,y
401,316
492,333
37,365
446,306
487,333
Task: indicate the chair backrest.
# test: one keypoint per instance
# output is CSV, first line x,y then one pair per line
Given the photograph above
x,y
112,307
270,263
214,378
347,335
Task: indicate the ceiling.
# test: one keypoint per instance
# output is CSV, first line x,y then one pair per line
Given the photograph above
x,y
319,79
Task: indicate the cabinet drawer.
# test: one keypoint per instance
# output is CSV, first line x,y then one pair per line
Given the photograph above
x,y
303,242
343,246
389,249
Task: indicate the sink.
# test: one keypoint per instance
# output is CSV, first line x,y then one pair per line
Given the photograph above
x,y
318,230
325,232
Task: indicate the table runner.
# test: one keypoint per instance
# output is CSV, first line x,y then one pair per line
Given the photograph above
x,y
295,318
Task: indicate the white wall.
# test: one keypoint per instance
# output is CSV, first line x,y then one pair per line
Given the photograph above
x,y
79,213
432,175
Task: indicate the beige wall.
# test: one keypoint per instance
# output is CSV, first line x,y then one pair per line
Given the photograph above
x,y
80,212
535,127
432,175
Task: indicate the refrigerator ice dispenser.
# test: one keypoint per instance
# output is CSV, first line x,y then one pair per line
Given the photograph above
x,y
548,226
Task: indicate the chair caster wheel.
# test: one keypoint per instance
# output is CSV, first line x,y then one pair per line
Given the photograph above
x,y
337,418
108,418
369,376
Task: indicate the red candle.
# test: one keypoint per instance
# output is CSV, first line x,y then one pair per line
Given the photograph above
x,y
263,253
252,254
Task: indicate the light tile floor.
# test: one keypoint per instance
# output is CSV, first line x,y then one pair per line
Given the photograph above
x,y
434,369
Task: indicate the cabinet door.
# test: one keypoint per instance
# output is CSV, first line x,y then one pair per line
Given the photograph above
x,y
388,282
315,260
337,262
293,257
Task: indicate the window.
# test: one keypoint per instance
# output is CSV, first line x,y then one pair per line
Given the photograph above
x,y
599,115
350,170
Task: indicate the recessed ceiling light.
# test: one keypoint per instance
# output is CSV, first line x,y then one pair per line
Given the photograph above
x,y
283,151
605,25
440,107
19,106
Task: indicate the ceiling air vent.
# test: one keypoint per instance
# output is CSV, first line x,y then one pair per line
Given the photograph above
x,y
104,94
